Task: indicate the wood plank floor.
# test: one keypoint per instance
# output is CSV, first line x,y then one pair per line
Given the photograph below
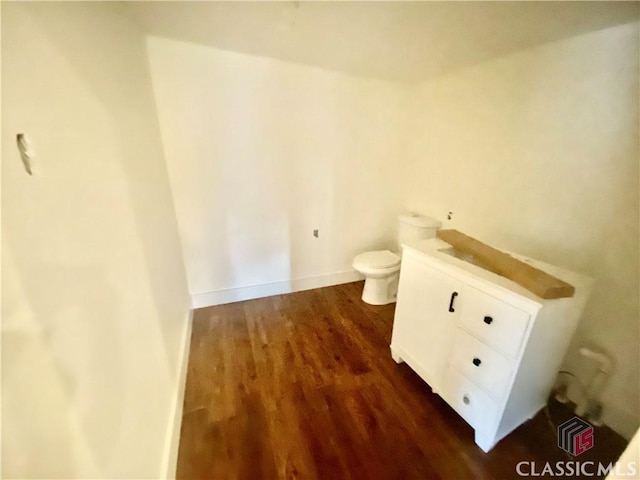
x,y
303,386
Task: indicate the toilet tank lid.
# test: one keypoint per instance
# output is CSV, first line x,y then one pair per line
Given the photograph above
x,y
419,220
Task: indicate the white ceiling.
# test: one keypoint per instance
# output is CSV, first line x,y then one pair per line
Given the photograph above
x,y
408,41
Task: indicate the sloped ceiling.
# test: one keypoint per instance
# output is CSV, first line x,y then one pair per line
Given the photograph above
x,y
402,41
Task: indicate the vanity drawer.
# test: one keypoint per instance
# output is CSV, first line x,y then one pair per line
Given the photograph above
x,y
481,363
497,323
475,406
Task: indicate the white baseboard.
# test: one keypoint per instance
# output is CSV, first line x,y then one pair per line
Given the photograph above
x,y
175,419
219,297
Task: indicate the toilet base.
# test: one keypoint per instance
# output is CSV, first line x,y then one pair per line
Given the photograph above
x,y
381,291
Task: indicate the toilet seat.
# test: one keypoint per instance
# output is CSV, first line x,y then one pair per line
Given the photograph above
x,y
378,261
381,268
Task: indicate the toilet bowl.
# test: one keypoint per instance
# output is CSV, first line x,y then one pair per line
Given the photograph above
x,y
381,268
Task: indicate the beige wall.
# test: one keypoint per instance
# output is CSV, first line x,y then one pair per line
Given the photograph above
x,y
94,292
537,152
262,152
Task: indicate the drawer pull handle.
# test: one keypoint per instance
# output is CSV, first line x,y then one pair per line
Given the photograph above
x,y
477,361
488,320
466,400
453,297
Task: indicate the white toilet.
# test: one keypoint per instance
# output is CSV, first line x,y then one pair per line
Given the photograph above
x,y
381,268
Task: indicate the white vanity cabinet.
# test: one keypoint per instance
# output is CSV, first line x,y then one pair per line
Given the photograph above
x,y
487,346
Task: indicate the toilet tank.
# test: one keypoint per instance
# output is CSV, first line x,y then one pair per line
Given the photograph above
x,y
413,227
